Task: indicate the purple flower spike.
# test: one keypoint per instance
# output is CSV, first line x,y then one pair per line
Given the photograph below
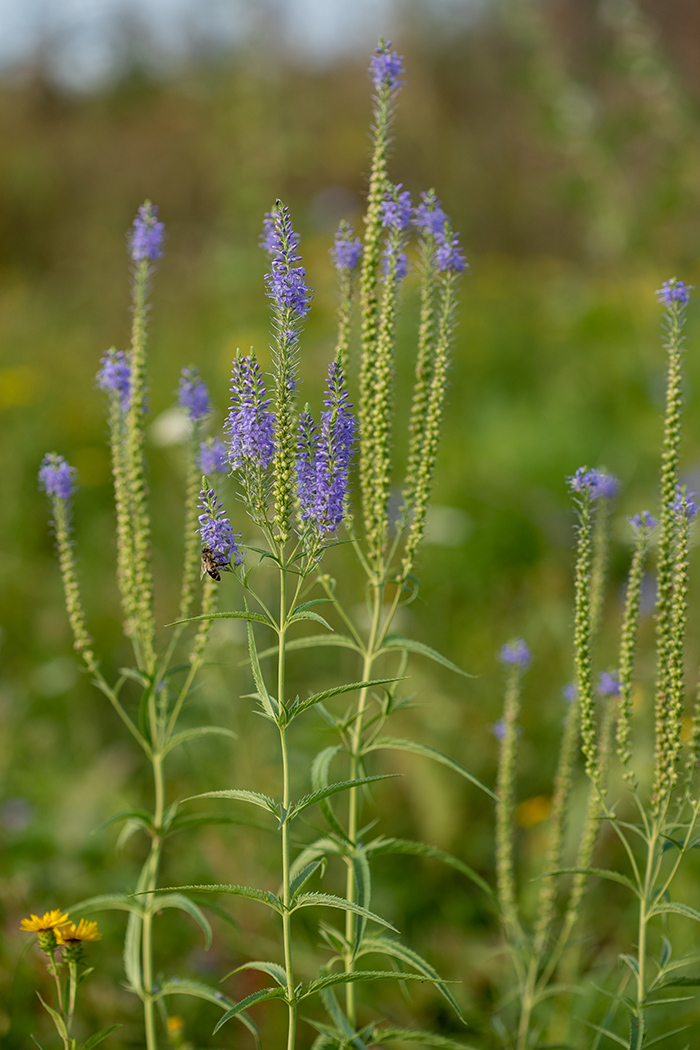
x,y
609,683
286,283
429,216
147,235
115,376
397,210
386,67
684,504
56,476
515,653
401,264
193,396
347,250
595,482
249,422
449,257
643,520
213,457
674,291
324,456
216,532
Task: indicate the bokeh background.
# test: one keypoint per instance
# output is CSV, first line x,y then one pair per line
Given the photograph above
x,y
563,138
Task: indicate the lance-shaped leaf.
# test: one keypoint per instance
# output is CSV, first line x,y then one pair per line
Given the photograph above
x,y
255,798
313,641
348,1036
272,969
396,641
421,849
319,779
671,907
108,902
304,705
329,900
250,1000
200,990
414,1035
191,734
333,979
391,743
363,893
251,617
97,1038
269,704
385,946
179,901
304,874
601,873
306,614
332,789
140,817
253,894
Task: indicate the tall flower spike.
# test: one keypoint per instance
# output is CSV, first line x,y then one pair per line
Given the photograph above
x,y
386,68
216,532
147,235
213,457
286,282
347,249
674,291
193,396
114,376
346,254
57,476
250,422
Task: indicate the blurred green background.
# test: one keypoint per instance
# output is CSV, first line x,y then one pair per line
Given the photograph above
x,y
563,139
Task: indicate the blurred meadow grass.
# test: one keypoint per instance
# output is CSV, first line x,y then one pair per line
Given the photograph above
x,y
566,147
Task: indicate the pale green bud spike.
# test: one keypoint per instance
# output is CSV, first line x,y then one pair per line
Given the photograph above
x,y
192,553
505,789
76,617
628,641
125,536
582,635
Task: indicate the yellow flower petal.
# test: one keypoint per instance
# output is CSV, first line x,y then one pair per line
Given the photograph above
x,y
51,920
72,934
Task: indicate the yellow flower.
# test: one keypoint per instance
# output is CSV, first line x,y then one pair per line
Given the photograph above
x,y
52,920
72,934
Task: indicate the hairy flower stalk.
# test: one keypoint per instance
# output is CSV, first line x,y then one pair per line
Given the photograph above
x,y
515,657
57,478
346,254
675,295
145,248
386,72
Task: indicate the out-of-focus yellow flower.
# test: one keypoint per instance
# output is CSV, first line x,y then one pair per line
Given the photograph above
x,y
51,920
533,811
72,934
175,1025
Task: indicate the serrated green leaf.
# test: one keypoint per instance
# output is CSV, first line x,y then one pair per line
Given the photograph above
x,y
319,779
304,705
200,990
675,909
305,614
191,734
182,903
390,743
680,982
108,902
35,1040
396,641
606,1031
250,1000
272,969
312,604
396,950
241,795
363,894
239,615
602,873
307,900
414,1035
333,979
666,1035
421,849
138,815
58,1021
313,641
263,896
270,707
99,1036
331,789
302,877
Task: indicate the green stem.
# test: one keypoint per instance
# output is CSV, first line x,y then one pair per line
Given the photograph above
x,y
147,929
286,891
53,970
73,971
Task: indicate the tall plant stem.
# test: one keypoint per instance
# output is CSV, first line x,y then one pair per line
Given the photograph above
x,y
147,929
354,800
286,893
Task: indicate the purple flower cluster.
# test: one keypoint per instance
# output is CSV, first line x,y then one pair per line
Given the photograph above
x,y
286,283
386,67
448,254
570,692
215,530
324,456
56,476
684,504
397,209
515,653
250,422
430,219
643,520
115,376
213,457
674,291
398,261
147,234
347,250
192,395
595,482
608,683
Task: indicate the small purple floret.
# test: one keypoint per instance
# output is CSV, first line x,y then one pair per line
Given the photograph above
x,y
429,216
684,504
595,482
215,530
674,291
386,67
324,456
213,457
147,235
56,476
347,250
570,692
400,266
449,257
115,376
286,283
609,683
250,422
396,210
643,520
515,653
499,729
192,395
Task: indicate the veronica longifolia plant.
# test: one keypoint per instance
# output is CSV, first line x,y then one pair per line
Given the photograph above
x,y
294,471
